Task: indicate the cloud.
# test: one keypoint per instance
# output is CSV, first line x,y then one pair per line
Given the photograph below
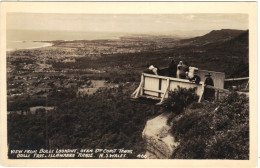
x,y
126,22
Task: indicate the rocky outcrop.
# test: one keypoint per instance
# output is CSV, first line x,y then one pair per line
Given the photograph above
x,y
160,144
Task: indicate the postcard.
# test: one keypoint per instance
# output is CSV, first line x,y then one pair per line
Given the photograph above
x,y
129,84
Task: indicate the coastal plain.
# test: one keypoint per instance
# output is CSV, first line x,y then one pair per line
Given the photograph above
x,y
76,94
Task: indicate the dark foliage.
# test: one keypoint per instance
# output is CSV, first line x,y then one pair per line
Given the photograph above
x,y
107,119
24,103
26,132
205,133
215,36
179,99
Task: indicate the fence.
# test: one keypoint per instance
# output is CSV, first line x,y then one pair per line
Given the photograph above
x,y
221,93
218,77
157,87
239,83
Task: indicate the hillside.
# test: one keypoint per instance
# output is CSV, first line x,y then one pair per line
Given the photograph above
x,y
223,51
214,37
108,118
236,45
211,130
227,54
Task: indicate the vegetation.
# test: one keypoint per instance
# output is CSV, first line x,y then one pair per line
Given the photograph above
x,y
114,122
217,130
179,99
108,119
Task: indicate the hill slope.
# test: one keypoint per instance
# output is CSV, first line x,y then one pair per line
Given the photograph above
x,y
214,36
222,50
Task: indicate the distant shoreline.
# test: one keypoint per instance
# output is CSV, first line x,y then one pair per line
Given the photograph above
x,y
43,44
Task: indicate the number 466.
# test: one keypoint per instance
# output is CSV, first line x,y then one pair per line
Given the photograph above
x,y
142,156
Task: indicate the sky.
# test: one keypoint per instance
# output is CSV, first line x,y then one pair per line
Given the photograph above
x,y
132,23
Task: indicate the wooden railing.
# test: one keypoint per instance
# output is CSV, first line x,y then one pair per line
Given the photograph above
x,y
237,79
223,92
157,87
217,77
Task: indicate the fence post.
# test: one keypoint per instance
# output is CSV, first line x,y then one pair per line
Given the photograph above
x,y
217,95
247,84
166,90
142,85
160,87
139,90
202,91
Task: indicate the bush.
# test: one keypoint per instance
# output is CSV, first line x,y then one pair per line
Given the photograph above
x,y
106,119
205,133
179,99
231,144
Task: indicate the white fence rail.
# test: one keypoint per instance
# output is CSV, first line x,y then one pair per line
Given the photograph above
x,y
218,77
157,87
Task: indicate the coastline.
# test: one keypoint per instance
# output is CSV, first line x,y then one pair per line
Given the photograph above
x,y
43,44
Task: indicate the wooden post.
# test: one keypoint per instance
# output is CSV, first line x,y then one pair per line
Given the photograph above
x,y
160,87
202,91
136,93
142,85
140,88
166,90
247,84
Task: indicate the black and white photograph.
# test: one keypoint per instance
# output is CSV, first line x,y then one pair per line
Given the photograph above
x,y
164,86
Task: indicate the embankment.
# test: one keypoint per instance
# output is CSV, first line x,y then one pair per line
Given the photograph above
x,y
207,130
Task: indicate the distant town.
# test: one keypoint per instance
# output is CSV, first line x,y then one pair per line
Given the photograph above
x,y
36,72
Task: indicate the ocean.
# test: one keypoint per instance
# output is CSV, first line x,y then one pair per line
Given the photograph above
x,y
27,39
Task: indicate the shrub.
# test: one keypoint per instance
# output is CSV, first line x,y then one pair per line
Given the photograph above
x,y
179,99
231,144
205,133
106,119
